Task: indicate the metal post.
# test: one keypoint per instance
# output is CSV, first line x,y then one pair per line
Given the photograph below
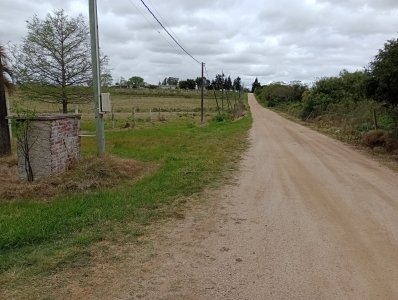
x,y
99,120
201,102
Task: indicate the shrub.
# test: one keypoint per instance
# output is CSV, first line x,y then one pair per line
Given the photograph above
x,y
392,140
374,138
221,117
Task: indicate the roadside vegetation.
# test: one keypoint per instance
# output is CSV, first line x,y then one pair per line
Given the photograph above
x,y
359,107
149,168
159,153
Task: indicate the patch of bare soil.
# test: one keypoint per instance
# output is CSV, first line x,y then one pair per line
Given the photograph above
x,y
85,176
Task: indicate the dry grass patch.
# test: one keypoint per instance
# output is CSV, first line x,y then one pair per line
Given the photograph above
x,y
84,176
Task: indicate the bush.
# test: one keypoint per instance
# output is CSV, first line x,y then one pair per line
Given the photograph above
x,y
308,108
392,140
221,117
374,138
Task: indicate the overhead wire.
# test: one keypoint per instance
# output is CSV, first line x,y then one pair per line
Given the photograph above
x,y
157,30
172,37
164,21
214,90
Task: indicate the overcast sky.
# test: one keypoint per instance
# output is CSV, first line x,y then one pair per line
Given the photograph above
x,y
274,40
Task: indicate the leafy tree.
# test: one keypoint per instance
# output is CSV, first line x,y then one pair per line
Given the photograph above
x,y
198,81
188,84
228,84
237,85
56,54
5,83
353,84
382,81
135,81
106,80
219,82
170,81
255,85
122,82
279,92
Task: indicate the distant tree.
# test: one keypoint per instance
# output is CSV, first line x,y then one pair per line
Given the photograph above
x,y
198,81
297,90
172,81
353,84
218,82
188,84
56,54
228,84
237,85
135,82
122,82
255,85
106,80
382,81
5,84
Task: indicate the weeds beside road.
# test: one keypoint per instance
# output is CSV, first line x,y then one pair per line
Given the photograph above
x,y
39,237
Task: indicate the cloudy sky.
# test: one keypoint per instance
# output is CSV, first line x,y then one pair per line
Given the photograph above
x,y
274,40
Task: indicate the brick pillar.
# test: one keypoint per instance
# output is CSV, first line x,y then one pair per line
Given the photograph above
x,y
55,144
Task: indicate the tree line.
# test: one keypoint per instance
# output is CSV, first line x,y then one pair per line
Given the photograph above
x,y
220,82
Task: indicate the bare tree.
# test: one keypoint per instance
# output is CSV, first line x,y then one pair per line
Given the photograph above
x,y
25,141
5,83
53,63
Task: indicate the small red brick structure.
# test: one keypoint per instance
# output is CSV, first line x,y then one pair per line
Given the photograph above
x,y
54,142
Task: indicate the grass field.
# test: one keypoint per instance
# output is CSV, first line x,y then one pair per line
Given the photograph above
x,y
40,237
138,107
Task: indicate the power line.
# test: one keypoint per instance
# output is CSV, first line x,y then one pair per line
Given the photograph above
x,y
214,90
164,21
153,26
165,29
207,74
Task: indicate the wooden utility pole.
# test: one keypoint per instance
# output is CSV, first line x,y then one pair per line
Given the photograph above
x,y
222,92
5,143
201,94
99,118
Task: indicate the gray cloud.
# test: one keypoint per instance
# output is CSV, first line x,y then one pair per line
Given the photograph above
x,y
275,40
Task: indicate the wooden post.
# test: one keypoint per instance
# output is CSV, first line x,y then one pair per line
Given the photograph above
x,y
113,117
375,118
5,143
201,96
222,91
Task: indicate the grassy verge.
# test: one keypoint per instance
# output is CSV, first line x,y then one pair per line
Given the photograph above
x,y
39,237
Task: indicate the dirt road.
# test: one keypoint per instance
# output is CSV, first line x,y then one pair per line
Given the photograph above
x,y
306,218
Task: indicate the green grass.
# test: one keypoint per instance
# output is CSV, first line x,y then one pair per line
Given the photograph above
x,y
124,100
37,237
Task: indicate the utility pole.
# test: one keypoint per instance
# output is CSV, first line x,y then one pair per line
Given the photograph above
x,y
99,119
201,102
5,143
222,93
